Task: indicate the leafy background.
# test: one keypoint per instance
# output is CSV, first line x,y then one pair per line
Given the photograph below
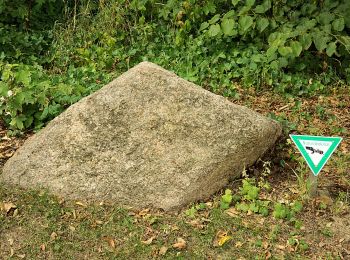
x,y
52,53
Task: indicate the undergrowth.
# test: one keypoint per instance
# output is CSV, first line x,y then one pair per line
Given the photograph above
x,y
296,48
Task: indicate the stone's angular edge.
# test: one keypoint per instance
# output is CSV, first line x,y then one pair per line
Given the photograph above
x,y
147,139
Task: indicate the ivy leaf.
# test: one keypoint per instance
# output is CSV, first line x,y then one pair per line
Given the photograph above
x,y
338,24
245,22
296,48
285,50
331,49
227,26
214,30
262,23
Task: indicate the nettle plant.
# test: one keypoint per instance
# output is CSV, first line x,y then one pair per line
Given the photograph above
x,y
29,96
285,44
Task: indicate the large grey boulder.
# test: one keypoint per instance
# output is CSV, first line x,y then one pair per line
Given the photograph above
x,y
147,139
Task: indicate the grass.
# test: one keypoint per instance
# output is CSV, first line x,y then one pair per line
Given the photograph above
x,y
47,227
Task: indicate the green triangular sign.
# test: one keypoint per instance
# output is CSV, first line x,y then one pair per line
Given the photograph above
x,y
316,150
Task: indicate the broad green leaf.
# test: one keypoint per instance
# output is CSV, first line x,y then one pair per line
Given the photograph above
x,y
310,24
245,22
214,19
338,24
285,50
23,76
209,8
326,28
296,48
345,40
331,49
28,121
229,14
320,41
271,53
262,23
227,26
305,41
260,9
4,88
204,26
274,65
20,97
283,62
235,2
250,2
244,10
325,18
17,122
273,37
214,30
257,57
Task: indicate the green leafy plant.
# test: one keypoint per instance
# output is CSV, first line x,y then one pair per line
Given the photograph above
x,y
226,199
283,211
191,212
249,201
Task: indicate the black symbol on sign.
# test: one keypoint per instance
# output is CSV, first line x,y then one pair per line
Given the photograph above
x,y
313,150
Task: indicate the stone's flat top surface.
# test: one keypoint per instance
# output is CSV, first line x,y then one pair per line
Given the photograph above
x,y
148,138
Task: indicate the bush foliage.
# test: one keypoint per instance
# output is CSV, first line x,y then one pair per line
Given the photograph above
x,y
52,53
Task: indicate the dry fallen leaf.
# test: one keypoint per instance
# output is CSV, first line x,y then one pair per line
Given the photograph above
x,y
232,212
21,256
238,244
110,241
99,222
174,228
143,212
148,241
8,207
221,238
267,255
180,243
196,223
53,236
281,247
10,241
15,212
71,228
163,250
265,244
42,247
79,203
